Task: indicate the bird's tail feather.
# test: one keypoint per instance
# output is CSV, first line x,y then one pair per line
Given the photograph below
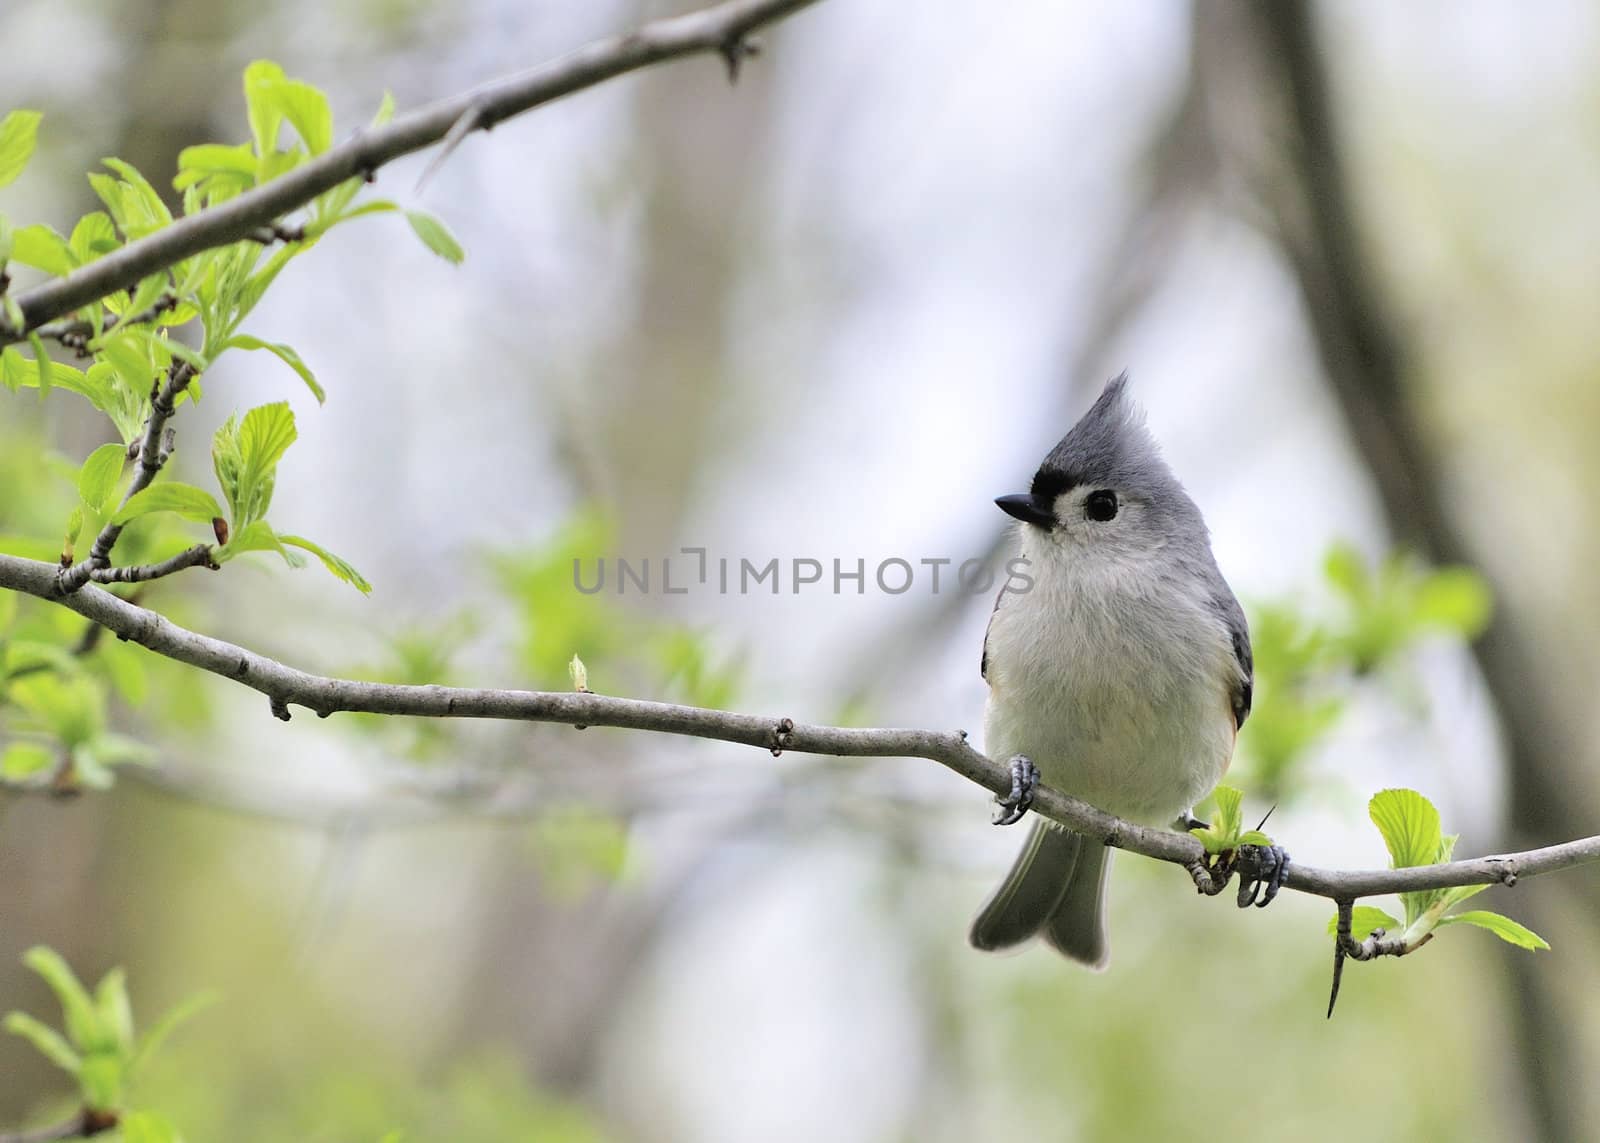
x,y
1055,887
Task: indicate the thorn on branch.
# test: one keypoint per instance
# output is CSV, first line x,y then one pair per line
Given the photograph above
x,y
1341,939
780,736
471,118
735,50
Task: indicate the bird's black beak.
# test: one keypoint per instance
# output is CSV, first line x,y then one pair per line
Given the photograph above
x,y
1028,508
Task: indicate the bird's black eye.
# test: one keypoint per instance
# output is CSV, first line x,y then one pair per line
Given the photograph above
x,y
1100,505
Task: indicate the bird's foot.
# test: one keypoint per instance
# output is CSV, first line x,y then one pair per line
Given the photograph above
x,y
1261,871
1186,821
1024,780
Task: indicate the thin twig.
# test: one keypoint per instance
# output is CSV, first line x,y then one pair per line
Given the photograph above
x,y
85,1125
153,453
711,30
285,686
75,334
197,556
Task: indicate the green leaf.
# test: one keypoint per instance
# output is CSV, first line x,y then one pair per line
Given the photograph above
x,y
385,110
436,236
220,172
333,563
257,536
308,113
19,131
71,708
26,656
210,158
93,236
100,1081
1454,897
1346,570
1409,824
82,1021
74,530
42,248
99,475
185,499
1455,599
283,353
1503,927
250,292
166,1025
147,1127
145,296
22,760
16,371
245,455
266,114
1363,919
143,210
44,367
8,240
182,352
116,1014
50,1043
130,357
120,750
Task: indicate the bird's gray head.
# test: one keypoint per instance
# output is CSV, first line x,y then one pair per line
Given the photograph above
x,y
1105,491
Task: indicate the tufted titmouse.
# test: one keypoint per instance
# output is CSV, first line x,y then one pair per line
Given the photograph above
x,y
1122,675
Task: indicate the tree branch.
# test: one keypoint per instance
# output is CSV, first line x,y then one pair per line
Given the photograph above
x,y
284,685
723,29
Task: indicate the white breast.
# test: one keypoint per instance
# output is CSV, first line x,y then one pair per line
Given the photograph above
x,y
1116,686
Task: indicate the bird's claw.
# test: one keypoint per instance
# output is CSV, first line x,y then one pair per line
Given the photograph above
x,y
1261,871
1024,780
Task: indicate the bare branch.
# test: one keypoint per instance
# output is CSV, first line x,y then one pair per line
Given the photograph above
x,y
285,686
722,30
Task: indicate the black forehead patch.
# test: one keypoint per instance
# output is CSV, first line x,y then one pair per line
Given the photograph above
x,y
1048,482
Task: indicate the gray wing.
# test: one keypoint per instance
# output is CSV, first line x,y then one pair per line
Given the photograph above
x,y
1239,633
983,663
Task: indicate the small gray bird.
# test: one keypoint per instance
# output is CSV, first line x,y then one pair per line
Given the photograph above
x,y
1121,676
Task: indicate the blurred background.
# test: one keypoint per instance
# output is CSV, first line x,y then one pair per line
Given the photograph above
x,y
1346,253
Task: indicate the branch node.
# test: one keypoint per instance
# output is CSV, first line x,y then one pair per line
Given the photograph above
x,y
780,736
280,708
735,50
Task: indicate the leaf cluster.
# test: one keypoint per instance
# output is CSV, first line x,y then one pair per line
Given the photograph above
x,y
1410,826
96,1043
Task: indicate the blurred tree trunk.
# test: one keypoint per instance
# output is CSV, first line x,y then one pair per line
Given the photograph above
x,y
1273,96
551,976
